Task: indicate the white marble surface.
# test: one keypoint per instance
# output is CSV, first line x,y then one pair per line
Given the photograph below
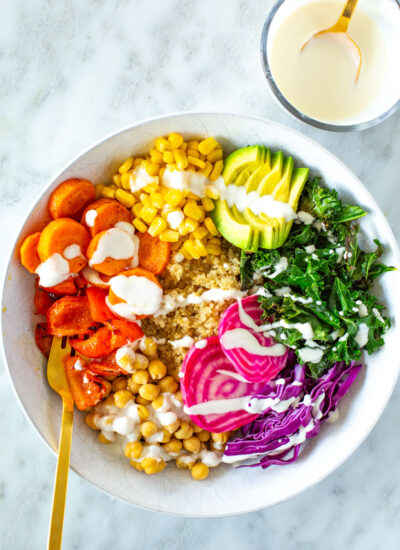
x,y
71,72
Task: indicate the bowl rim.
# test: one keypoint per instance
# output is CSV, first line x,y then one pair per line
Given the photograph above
x,y
290,108
391,242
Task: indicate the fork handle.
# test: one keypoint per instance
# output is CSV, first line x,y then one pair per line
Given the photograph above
x,y
60,486
344,19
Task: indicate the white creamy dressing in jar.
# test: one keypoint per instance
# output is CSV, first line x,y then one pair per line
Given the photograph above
x,y
320,81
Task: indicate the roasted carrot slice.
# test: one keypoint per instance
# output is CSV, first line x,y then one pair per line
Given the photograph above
x,y
124,332
65,287
110,266
153,254
87,388
61,234
99,344
69,199
107,366
42,301
28,252
94,278
99,310
69,316
108,213
43,338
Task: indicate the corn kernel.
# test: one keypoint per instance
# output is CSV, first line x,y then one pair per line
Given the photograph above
x,y
173,197
175,140
194,211
190,225
168,157
138,162
148,429
126,165
136,465
156,157
124,198
171,167
101,437
212,192
161,172
214,240
175,246
151,188
207,169
207,204
193,196
180,159
108,192
89,419
169,236
216,171
122,397
193,144
137,209
200,471
99,190
148,346
213,249
215,155
157,369
158,225
117,179
133,449
145,199
190,249
197,162
126,181
200,232
183,147
161,144
149,391
143,412
148,213
173,446
140,226
199,247
157,199
208,222
207,145
193,153
168,384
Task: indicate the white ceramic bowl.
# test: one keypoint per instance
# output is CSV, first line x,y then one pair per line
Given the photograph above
x,y
226,491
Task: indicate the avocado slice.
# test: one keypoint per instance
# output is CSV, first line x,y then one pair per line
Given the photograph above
x,y
256,170
247,157
268,183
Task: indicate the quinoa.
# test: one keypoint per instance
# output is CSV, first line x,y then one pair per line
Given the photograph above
x,y
197,321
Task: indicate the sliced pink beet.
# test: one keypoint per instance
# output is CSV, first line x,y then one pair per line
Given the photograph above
x,y
207,377
251,358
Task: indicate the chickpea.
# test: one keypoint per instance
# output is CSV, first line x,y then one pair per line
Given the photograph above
x,y
168,384
119,384
221,437
140,377
90,421
204,436
196,429
143,412
185,431
173,427
109,400
149,391
200,471
178,396
141,362
103,439
132,386
141,401
133,449
157,369
166,436
148,346
122,397
153,466
173,446
148,429
107,386
158,402
192,444
185,462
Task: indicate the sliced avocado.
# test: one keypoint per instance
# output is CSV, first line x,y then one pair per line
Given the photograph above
x,y
299,179
268,183
240,159
244,175
282,189
241,235
254,179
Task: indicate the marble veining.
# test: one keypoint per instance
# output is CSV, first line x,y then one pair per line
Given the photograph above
x,y
71,72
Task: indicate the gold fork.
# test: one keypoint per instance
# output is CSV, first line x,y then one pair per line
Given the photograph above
x,y
58,381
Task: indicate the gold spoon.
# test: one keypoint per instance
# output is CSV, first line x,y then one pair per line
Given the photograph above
x,y
341,26
58,381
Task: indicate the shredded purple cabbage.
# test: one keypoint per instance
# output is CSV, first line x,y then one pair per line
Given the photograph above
x,y
276,437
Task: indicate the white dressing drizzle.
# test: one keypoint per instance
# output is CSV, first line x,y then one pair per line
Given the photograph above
x,y
170,303
234,375
242,338
116,244
141,296
72,251
185,342
362,335
53,271
90,217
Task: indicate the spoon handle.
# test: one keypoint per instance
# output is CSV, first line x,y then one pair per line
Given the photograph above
x,y
346,14
60,487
